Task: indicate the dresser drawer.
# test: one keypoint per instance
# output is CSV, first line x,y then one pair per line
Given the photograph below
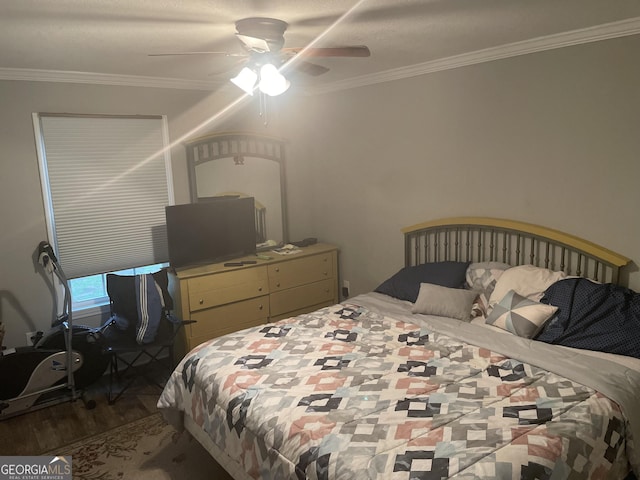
x,y
300,297
300,271
217,321
213,290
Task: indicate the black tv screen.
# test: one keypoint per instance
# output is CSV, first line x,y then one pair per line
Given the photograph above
x,y
209,232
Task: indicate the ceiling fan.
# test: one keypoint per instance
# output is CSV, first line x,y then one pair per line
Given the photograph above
x,y
262,39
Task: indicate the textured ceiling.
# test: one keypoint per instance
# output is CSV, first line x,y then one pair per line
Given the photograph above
x,y
114,37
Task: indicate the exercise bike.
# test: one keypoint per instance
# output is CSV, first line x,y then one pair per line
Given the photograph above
x,y
61,363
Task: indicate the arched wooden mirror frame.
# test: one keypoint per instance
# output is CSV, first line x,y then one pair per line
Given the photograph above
x,y
238,146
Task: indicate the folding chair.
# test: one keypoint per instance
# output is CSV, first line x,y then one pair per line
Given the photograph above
x,y
137,302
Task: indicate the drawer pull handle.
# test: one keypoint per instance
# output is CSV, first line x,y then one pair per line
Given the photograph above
x,y
326,273
277,269
259,289
278,284
260,307
201,301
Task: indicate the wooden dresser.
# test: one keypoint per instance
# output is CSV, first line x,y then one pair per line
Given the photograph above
x,y
226,299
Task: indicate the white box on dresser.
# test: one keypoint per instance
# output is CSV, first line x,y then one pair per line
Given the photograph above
x,y
227,299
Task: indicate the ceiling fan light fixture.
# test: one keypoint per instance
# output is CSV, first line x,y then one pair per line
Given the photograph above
x,y
272,82
246,80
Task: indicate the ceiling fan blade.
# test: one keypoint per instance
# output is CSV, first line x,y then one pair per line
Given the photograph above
x,y
347,51
309,68
226,54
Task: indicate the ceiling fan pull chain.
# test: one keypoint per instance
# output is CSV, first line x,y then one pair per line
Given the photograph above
x,y
263,107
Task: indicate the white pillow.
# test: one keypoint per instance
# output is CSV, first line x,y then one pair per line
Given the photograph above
x,y
526,280
444,301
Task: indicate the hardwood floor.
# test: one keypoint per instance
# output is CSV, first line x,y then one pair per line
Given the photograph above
x,y
40,431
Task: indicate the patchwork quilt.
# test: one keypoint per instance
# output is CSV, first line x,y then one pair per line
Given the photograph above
x,y
349,393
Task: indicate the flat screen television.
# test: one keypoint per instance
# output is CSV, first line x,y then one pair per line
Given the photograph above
x,y
210,232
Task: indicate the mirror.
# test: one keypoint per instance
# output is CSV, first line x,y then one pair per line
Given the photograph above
x,y
245,165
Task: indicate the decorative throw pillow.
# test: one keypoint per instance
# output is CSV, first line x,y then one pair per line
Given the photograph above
x,y
444,302
405,284
482,276
527,280
520,315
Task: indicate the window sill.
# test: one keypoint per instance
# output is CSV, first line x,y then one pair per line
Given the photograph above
x,y
90,312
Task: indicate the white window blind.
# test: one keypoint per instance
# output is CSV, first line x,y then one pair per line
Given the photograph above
x,y
106,182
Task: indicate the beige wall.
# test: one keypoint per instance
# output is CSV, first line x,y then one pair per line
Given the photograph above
x,y
550,138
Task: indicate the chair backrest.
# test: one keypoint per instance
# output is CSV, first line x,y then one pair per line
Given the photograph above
x,y
122,295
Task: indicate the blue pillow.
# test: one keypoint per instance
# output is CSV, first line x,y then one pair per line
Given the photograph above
x,y
405,284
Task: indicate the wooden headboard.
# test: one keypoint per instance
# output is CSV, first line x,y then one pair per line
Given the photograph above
x,y
479,239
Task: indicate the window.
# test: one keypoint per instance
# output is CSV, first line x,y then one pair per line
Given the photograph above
x,y
91,291
106,181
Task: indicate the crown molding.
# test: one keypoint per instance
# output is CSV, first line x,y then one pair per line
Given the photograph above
x,y
597,33
60,76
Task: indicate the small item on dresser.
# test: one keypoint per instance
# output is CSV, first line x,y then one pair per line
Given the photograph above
x,y
288,249
233,264
306,242
263,257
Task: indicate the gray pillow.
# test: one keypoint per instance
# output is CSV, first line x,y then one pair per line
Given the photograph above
x,y
444,301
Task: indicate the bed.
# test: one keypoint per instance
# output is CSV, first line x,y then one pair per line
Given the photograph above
x,y
500,350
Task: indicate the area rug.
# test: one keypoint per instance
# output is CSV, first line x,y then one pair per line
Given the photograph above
x,y
148,448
